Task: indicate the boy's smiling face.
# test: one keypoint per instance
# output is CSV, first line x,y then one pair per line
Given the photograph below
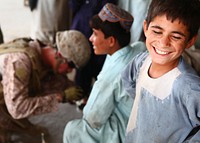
x,y
166,40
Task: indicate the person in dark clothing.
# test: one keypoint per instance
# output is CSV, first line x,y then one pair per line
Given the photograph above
x,y
1,36
49,17
83,10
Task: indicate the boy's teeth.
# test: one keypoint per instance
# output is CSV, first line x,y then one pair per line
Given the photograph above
x,y
161,52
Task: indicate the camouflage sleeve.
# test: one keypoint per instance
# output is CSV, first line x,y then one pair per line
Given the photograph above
x,y
16,73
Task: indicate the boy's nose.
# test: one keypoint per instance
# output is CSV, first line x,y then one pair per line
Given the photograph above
x,y
90,38
165,41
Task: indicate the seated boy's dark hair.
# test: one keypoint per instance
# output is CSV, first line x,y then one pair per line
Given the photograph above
x,y
111,29
187,11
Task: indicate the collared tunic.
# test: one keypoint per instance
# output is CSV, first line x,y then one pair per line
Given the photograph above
x,y
165,109
106,113
15,88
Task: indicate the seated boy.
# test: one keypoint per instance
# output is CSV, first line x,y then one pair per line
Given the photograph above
x,y
105,115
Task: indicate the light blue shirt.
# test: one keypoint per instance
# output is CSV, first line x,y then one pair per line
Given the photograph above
x,y
165,109
106,113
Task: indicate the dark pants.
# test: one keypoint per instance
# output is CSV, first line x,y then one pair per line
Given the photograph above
x,y
85,76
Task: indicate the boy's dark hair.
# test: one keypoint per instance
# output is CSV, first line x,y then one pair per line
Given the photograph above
x,y
111,29
187,11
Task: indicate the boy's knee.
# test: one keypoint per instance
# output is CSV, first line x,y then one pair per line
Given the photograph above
x,y
70,132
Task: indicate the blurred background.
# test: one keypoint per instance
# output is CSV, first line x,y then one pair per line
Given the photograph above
x,y
15,19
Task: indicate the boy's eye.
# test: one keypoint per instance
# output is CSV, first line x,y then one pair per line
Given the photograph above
x,y
157,32
94,33
176,37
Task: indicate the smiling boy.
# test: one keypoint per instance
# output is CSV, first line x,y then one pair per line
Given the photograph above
x,y
166,90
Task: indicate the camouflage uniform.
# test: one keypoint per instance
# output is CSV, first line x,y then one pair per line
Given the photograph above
x,y
23,75
28,87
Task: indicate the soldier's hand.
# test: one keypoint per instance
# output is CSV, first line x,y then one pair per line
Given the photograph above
x,y
73,94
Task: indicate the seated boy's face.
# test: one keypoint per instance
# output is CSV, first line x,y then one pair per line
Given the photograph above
x,y
101,45
166,40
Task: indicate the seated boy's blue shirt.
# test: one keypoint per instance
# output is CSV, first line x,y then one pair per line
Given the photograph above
x,y
106,113
167,108
101,102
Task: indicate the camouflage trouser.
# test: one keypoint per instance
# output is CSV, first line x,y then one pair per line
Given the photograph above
x,y
8,126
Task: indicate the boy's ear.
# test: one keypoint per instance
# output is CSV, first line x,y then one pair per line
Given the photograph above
x,y
192,41
112,41
145,27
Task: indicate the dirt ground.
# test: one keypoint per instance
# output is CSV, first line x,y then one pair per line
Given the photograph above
x,y
53,122
15,21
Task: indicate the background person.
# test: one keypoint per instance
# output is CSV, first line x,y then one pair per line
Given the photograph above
x,y
49,17
1,36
